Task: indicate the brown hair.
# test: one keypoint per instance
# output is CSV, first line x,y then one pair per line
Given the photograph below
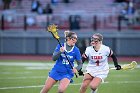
x,y
99,35
69,34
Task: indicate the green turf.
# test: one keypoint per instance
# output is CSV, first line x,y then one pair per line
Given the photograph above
x,y
30,77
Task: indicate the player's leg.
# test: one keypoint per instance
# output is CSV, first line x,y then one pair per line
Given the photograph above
x,y
48,85
63,84
86,81
95,83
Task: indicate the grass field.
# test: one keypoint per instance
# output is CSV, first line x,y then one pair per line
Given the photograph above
x,y
29,77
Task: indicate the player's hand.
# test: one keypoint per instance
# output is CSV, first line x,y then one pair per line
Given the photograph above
x,y
80,72
74,70
62,49
118,67
84,55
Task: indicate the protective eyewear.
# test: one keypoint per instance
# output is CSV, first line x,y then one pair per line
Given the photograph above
x,y
74,38
95,39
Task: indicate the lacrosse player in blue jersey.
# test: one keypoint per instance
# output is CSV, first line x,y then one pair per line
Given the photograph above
x,y
62,71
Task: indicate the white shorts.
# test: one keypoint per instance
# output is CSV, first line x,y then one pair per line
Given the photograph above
x,y
98,73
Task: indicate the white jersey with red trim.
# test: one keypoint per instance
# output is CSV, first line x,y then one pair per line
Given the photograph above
x,y
98,60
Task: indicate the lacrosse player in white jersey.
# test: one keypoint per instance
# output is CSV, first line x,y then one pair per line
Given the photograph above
x,y
97,68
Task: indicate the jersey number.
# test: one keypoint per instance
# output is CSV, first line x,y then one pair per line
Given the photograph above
x,y
65,62
97,63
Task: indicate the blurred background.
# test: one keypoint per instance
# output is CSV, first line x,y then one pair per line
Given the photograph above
x,y
23,25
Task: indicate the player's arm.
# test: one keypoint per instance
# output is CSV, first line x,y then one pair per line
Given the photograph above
x,y
84,57
80,72
79,65
114,58
56,55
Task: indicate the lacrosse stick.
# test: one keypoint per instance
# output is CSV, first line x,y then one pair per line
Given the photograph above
x,y
53,29
130,66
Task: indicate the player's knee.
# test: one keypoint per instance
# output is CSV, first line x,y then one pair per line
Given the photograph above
x,y
83,87
60,90
93,87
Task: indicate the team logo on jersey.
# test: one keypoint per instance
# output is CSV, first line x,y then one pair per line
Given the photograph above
x,y
70,57
96,57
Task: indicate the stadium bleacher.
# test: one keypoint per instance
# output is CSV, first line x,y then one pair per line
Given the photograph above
x,y
106,13
89,16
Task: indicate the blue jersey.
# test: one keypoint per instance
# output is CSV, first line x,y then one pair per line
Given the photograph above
x,y
62,65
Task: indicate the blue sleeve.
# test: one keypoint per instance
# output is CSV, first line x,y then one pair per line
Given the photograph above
x,y
57,48
78,54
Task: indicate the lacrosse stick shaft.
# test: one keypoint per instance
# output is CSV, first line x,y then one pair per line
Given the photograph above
x,y
65,55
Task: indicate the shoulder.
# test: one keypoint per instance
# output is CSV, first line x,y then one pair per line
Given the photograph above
x,y
106,47
61,44
89,47
76,48
58,45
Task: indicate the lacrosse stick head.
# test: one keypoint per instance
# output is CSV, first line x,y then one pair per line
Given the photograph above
x,y
130,66
53,29
66,33
134,64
